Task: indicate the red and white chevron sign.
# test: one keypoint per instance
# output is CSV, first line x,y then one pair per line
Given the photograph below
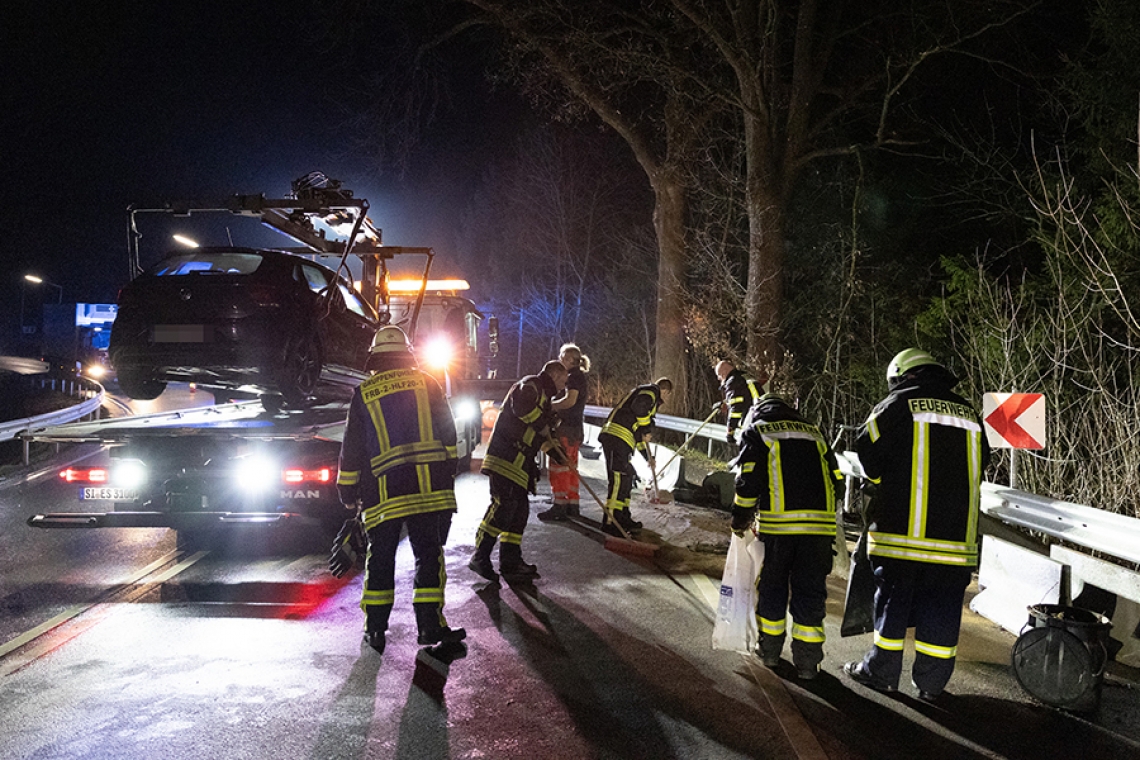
x,y
1014,420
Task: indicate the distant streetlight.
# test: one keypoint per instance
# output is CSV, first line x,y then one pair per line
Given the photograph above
x,y
188,242
37,281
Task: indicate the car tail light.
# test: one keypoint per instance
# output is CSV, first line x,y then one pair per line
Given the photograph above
x,y
318,475
264,295
86,475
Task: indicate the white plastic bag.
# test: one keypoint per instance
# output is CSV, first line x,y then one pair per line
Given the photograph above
x,y
735,628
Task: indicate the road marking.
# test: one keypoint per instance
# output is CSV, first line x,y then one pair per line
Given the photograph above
x,y
128,591
795,727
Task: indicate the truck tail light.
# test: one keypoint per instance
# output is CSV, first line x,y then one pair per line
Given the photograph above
x,y
129,473
318,475
85,475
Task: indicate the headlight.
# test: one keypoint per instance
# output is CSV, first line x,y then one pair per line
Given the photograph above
x,y
465,409
437,354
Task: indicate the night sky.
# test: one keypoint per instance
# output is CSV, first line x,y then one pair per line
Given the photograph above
x,y
110,104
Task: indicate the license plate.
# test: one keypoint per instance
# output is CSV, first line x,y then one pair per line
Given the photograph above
x,y
108,494
179,334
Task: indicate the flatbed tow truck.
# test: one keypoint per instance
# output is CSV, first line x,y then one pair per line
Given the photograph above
x,y
205,470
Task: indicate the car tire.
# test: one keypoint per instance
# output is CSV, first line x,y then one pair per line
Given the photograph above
x,y
272,403
301,370
140,387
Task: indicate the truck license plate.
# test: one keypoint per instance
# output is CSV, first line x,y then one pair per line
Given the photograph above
x,y
108,494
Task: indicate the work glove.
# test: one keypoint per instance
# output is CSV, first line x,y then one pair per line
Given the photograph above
x,y
349,544
742,520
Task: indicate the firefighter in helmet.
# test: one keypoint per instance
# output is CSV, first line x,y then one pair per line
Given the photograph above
x,y
397,465
629,427
524,427
786,484
924,447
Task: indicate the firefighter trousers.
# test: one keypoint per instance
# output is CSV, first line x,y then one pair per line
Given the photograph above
x,y
927,597
505,519
427,534
620,473
795,570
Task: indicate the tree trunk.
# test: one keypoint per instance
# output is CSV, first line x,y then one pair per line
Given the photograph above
x,y
764,300
669,210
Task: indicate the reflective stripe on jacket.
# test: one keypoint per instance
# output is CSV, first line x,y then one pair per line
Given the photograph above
x,y
516,437
787,473
399,453
925,447
740,393
633,416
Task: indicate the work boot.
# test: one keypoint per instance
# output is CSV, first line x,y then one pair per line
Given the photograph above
x,y
556,512
572,509
624,519
480,564
442,635
376,640
858,673
511,564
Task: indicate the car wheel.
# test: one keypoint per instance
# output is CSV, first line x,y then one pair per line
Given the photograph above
x,y
301,370
272,403
140,387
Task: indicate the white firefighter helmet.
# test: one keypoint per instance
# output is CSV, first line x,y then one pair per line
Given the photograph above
x,y
907,360
389,339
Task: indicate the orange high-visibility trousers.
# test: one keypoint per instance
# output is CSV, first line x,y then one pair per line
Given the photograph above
x,y
564,477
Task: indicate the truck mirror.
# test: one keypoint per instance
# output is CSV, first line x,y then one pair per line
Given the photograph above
x,y
493,332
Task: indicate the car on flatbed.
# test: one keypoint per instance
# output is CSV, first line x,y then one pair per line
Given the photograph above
x,y
246,320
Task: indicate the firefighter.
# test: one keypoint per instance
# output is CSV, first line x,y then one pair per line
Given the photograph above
x,y
629,427
523,428
398,463
740,393
570,406
924,448
786,484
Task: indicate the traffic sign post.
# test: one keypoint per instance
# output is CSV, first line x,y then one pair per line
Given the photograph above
x,y
1014,421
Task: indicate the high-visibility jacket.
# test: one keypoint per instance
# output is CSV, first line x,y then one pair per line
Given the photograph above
x,y
399,453
740,393
786,473
521,430
925,447
633,417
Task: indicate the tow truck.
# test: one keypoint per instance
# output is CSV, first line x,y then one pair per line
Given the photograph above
x,y
203,470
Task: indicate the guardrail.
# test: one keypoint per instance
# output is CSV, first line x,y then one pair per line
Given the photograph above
x,y
93,391
1094,529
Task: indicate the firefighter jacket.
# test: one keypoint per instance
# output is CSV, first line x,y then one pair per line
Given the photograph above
x,y
787,474
924,447
632,418
740,394
521,430
399,451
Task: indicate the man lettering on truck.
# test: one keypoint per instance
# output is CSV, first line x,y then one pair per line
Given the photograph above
x,y
397,462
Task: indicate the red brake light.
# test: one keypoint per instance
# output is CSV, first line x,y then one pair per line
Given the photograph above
x,y
85,475
319,475
264,295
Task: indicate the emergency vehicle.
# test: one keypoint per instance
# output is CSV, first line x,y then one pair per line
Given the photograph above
x,y
205,469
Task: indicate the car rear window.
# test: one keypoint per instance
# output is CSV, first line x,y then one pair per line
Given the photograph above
x,y
214,263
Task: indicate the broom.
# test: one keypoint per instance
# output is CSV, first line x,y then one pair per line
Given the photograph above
x,y
626,545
